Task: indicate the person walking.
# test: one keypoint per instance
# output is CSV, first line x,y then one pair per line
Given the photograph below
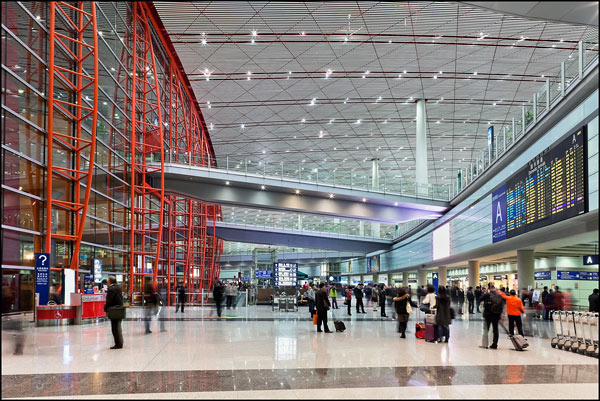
x,y
323,305
180,298
382,300
492,310
543,295
421,293
310,295
150,305
218,296
114,297
471,299
429,301
400,302
374,297
443,316
454,296
358,294
514,308
593,300
461,300
348,299
368,291
478,294
333,295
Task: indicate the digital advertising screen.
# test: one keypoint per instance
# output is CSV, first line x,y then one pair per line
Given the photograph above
x,y
549,189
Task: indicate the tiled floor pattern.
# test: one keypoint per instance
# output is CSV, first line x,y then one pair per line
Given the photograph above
x,y
266,342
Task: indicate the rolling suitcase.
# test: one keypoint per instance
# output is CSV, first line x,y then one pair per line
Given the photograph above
x,y
519,342
340,327
420,330
430,332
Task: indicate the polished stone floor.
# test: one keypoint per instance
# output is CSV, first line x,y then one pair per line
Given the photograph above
x,y
257,353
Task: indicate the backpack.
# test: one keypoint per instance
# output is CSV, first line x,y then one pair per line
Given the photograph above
x,y
494,303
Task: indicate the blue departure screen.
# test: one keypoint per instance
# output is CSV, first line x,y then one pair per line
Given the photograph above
x,y
549,189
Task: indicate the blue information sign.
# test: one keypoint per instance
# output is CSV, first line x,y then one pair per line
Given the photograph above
x,y
42,276
263,274
567,275
499,214
590,260
434,279
593,276
542,275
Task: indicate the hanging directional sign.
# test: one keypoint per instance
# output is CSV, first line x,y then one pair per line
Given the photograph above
x,y
434,279
590,260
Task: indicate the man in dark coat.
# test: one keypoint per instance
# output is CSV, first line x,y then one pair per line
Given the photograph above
x,y
471,299
461,300
218,296
323,305
114,297
492,310
478,294
593,300
180,298
381,297
358,294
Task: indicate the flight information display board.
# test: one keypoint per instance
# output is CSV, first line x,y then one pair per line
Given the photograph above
x,y
551,188
285,274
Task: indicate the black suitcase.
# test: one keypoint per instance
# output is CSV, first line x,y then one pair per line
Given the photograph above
x,y
339,325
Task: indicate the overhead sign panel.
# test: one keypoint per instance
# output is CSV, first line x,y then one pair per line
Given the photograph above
x,y
285,274
589,260
551,188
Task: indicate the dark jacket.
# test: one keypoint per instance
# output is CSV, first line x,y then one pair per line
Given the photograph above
x,y
543,297
181,292
461,295
400,304
442,314
454,294
358,294
470,295
478,293
381,297
114,297
218,293
487,312
593,299
322,301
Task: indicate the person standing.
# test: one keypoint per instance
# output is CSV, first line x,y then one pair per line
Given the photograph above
x,y
514,308
348,301
593,300
559,300
310,295
478,294
374,297
114,297
150,305
333,295
492,310
323,305
400,302
443,317
180,298
471,299
382,300
545,314
454,296
461,300
229,295
420,293
429,300
358,294
218,297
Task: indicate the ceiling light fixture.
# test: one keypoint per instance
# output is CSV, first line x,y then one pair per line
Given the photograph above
x,y
227,183
297,192
395,203
330,196
262,187
364,200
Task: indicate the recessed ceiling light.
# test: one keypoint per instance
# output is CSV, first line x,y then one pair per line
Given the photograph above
x,y
264,151
262,187
243,126
297,192
330,196
358,121
254,33
435,77
405,71
475,73
364,199
304,120
395,203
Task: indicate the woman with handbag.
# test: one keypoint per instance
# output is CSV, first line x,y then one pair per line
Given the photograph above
x,y
402,304
348,300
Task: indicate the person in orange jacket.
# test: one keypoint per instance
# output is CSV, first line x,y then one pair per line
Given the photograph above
x,y
514,308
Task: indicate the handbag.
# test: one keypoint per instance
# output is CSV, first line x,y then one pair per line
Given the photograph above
x,y
346,302
424,308
409,308
116,313
315,317
452,313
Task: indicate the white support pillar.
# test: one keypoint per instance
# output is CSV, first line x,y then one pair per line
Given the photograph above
x,y
361,227
375,227
405,279
525,266
422,278
422,175
473,273
442,275
299,222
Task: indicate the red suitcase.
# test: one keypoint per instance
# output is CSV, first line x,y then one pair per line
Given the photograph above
x,y
430,332
420,330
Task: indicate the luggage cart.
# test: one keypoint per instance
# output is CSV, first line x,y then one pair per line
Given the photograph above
x,y
592,349
587,334
564,328
579,320
571,336
558,332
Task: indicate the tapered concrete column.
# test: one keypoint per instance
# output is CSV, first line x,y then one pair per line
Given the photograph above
x,y
361,227
375,173
442,271
375,230
299,222
422,175
473,273
422,277
525,266
405,279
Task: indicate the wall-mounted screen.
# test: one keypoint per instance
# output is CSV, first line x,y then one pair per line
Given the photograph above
x,y
551,188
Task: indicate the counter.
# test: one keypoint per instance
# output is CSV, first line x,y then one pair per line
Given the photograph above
x,y
55,315
92,306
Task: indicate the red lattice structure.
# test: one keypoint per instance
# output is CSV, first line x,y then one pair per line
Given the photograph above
x,y
72,168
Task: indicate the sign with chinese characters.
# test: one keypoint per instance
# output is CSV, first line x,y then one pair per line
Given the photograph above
x,y
262,274
593,276
542,275
42,276
285,274
567,275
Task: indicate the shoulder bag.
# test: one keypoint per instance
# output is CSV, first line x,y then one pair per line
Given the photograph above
x,y
116,313
409,308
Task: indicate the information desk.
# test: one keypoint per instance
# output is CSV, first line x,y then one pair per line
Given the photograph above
x,y
92,306
55,315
